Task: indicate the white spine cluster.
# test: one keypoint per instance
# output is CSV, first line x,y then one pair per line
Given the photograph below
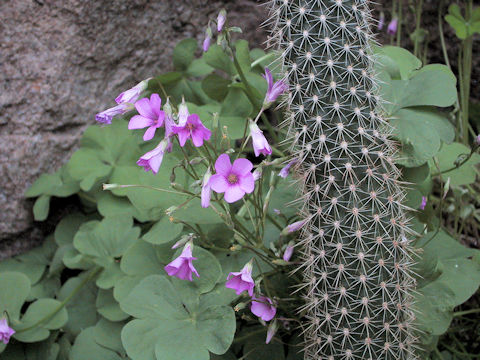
x,y
357,283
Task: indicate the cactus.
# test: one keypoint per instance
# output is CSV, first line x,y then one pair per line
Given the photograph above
x,y
357,273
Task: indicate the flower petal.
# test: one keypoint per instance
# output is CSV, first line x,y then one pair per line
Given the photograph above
x,y
247,183
223,165
218,183
139,122
155,104
143,107
241,166
149,134
233,193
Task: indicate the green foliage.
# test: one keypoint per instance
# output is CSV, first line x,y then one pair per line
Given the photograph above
x,y
463,28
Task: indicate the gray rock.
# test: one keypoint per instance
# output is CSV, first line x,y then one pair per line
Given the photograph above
x,y
62,61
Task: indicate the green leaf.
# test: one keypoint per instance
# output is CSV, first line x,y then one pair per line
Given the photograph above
x,y
111,205
216,58
416,175
243,55
199,67
436,300
163,231
405,60
194,213
68,227
15,289
466,174
41,208
183,54
457,21
102,151
420,132
45,315
107,239
108,307
143,258
82,312
167,329
256,348
236,104
215,86
85,347
107,334
432,86
57,184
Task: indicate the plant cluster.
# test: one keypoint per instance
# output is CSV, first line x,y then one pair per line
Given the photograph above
x,y
206,230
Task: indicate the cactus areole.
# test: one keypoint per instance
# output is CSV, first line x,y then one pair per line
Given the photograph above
x,y
356,253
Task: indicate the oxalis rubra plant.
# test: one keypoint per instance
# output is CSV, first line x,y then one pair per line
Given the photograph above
x,y
204,229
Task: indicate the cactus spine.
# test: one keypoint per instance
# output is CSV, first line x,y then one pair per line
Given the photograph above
x,y
357,283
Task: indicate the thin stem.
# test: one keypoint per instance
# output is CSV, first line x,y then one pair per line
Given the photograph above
x,y
440,30
259,60
153,188
92,274
418,19
466,312
400,19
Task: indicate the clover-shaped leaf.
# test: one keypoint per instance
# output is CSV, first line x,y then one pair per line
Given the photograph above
x,y
169,327
105,241
41,316
102,151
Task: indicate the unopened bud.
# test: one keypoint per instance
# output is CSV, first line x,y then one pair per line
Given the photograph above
x,y
110,186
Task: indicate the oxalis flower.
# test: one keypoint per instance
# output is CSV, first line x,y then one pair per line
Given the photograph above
x,y
233,180
287,255
131,95
207,40
294,227
221,18
263,308
150,116
274,90
153,159
106,116
242,280
194,129
260,143
424,203
392,27
285,171
5,331
182,267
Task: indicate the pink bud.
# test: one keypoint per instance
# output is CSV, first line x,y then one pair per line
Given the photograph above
x,y
287,255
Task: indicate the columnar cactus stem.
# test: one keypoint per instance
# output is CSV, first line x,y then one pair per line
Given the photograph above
x,y
357,282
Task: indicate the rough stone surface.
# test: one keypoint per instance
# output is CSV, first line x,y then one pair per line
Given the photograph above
x,y
61,61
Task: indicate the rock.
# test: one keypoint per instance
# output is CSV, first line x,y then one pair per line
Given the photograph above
x,y
62,61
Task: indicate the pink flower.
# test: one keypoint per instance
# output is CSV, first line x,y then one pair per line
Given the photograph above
x,y
150,116
207,40
153,159
131,95
233,180
194,129
241,281
294,227
5,331
106,116
182,266
477,140
260,144
221,18
424,203
263,308
206,193
274,89
392,27
286,169
287,255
